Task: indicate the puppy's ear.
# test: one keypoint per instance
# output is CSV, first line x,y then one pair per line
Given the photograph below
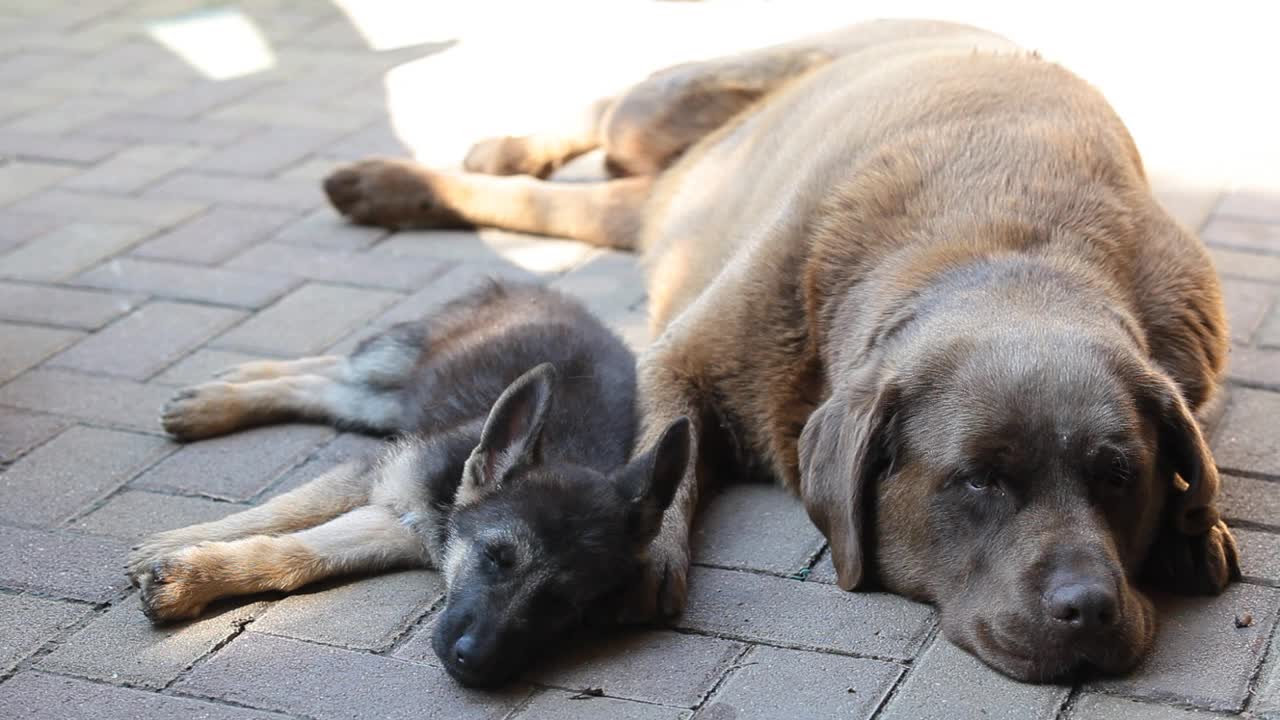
x,y
1183,455
649,482
511,433
843,449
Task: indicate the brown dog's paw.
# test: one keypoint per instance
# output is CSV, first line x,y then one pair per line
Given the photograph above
x,y
202,411
505,156
388,193
1194,564
173,589
663,586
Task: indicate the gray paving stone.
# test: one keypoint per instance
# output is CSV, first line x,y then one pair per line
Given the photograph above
x,y
40,696
234,467
118,176
323,228
17,228
1243,264
147,340
823,571
1249,205
539,255
340,267
62,564
307,320
756,527
804,615
135,514
1269,333
188,282
344,447
20,179
154,211
70,249
325,682
777,683
201,365
358,613
561,705
21,430
24,346
209,188
216,235
133,128
1256,501
608,282
38,146
66,474
948,683
1255,366
1259,556
66,307
265,151
1201,658
1247,439
122,646
113,401
1242,234
1246,303
1266,700
661,667
1106,707
196,98
27,623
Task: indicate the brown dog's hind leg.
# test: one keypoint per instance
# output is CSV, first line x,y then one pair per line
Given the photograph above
x,y
400,193
542,154
345,487
181,584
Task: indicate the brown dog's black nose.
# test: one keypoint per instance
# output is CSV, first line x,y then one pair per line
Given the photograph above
x,y
1082,604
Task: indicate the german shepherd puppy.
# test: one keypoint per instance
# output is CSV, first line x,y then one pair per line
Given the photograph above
x,y
513,481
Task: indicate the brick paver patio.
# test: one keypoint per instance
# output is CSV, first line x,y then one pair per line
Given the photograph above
x,y
157,224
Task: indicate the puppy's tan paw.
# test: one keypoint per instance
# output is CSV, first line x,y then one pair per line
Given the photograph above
x,y
142,555
202,411
174,588
389,193
505,156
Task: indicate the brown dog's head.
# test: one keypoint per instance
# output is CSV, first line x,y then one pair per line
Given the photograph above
x,y
1017,479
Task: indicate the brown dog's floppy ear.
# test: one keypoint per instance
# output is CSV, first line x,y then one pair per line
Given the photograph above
x,y
511,432
842,450
1182,449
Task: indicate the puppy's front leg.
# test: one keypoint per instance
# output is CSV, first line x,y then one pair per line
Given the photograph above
x,y
368,539
328,496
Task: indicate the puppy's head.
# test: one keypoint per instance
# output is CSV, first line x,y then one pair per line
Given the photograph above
x,y
533,545
1018,481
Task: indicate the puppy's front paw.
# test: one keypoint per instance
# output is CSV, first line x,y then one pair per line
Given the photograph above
x,y
663,585
389,193
173,588
1194,564
202,411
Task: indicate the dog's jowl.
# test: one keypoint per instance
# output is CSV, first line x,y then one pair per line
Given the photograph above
x,y
916,274
511,474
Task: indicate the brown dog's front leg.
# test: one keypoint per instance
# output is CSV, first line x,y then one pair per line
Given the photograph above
x,y
665,395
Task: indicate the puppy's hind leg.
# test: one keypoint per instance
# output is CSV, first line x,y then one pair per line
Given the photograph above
x,y
365,540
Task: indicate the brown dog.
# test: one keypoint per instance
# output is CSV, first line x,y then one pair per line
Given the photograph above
x,y
918,276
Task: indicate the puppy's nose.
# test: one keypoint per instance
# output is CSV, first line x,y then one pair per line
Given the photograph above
x,y
1082,604
464,650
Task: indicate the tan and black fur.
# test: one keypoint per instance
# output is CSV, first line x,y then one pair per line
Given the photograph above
x,y
514,409
916,275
